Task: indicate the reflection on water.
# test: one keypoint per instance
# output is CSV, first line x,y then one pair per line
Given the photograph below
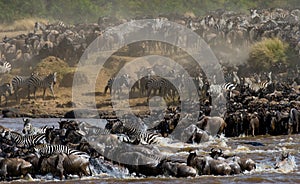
x,y
264,150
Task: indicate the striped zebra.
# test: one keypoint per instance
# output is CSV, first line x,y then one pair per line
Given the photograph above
x,y
228,86
118,82
25,141
29,129
35,81
46,149
5,67
4,89
159,85
258,85
90,130
20,82
39,26
138,136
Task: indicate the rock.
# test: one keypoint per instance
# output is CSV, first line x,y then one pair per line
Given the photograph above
x,y
193,134
10,113
82,113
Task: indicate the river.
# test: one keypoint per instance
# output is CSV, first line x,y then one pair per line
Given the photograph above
x,y
264,150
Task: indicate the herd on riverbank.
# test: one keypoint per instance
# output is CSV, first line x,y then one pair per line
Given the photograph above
x,y
255,105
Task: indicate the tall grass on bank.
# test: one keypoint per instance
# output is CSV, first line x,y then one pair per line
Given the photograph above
x,y
21,25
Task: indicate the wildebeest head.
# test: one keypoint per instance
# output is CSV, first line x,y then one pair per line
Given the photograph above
x,y
215,153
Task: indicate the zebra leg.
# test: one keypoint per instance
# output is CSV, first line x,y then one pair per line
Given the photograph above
x,y
52,92
44,92
16,94
28,93
5,100
105,90
34,92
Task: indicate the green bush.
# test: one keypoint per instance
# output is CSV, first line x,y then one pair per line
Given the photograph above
x,y
266,53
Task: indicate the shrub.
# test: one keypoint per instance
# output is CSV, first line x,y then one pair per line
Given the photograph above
x,y
53,64
266,53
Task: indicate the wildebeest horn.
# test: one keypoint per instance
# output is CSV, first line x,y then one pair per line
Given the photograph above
x,y
220,150
285,155
212,149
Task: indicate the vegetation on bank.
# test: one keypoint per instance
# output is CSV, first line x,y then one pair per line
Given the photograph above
x,y
267,53
81,11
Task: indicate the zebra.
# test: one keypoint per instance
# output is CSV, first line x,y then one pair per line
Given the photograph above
x,y
28,129
35,81
39,26
5,88
161,85
5,67
261,85
19,82
46,149
118,83
93,130
25,141
137,136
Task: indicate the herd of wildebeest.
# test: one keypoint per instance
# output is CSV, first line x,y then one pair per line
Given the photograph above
x,y
257,103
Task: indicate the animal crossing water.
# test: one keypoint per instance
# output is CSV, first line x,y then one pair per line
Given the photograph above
x,y
264,150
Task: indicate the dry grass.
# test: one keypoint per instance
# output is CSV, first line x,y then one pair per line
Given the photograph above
x,y
21,25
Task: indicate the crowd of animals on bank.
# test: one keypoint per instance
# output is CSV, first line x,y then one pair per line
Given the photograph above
x,y
220,29
217,28
261,103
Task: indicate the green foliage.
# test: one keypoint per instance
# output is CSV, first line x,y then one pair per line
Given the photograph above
x,y
80,11
268,52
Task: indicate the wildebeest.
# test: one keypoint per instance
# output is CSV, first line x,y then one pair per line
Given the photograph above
x,y
206,165
14,167
177,169
213,125
254,125
62,165
294,121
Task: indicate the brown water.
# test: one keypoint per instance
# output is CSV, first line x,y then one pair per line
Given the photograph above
x,y
265,153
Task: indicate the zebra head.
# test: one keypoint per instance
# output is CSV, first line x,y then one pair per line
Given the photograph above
x,y
126,80
8,88
5,67
7,135
53,77
27,129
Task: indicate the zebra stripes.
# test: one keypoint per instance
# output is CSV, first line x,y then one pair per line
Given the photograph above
x,y
20,82
90,130
5,67
161,85
256,86
26,141
4,89
118,82
229,86
36,81
137,136
45,149
39,26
